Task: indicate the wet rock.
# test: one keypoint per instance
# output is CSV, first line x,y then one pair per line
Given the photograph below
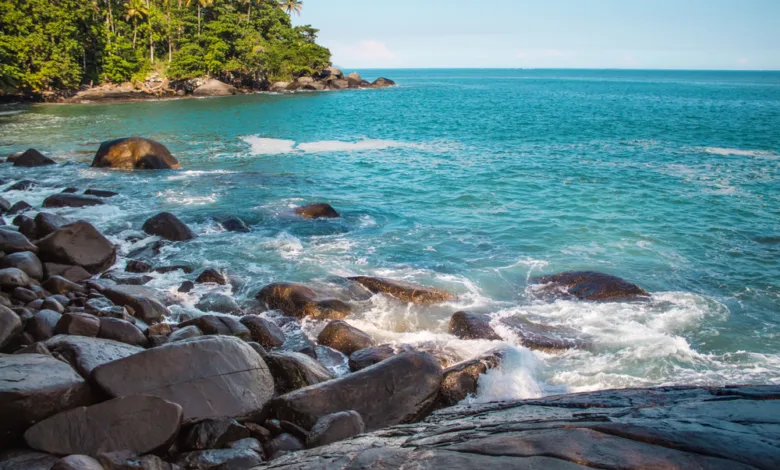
x,y
382,83
122,331
34,387
19,207
78,324
212,434
317,211
134,153
26,226
4,205
466,325
124,278
335,427
142,300
212,276
14,242
80,244
137,423
10,326
77,462
32,158
234,224
589,285
41,325
46,223
301,301
461,379
70,190
25,295
297,341
263,331
401,389
186,287
186,332
71,200
344,337
169,269
292,370
367,357
84,353
23,185
233,459
404,291
354,80
26,261
216,302
138,266
219,325
282,444
100,193
224,377
60,285
126,460
214,87
168,226
69,272
26,460
11,278
547,338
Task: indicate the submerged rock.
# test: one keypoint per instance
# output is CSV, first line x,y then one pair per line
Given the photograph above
x,y
168,226
234,224
404,291
547,338
317,211
369,356
212,275
134,153
32,158
590,285
467,325
100,193
71,200
300,301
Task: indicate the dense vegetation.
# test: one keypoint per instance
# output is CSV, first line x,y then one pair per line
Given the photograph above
x,y
50,45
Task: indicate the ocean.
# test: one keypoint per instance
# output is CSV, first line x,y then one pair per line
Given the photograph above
x,y
475,181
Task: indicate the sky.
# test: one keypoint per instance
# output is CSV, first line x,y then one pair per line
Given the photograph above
x,y
628,34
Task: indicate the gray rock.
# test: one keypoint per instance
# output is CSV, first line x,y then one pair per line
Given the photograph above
x,y
589,285
25,295
335,427
46,223
212,434
10,326
232,459
292,370
77,462
187,332
11,278
84,354
20,207
26,261
134,153
71,273
142,300
369,356
263,331
79,244
282,444
216,302
12,241
126,460
462,379
26,460
547,338
122,331
219,325
41,325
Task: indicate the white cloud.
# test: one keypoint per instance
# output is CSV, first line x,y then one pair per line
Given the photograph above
x,y
365,53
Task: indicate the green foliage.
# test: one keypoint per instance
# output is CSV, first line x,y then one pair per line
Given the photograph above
x,y
50,45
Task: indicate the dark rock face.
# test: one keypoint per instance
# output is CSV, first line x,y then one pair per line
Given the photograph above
x,y
66,271
11,278
71,200
77,462
363,358
404,291
219,325
78,324
34,387
41,325
282,444
186,332
79,244
547,338
466,325
84,354
14,242
10,326
186,286
292,370
300,301
461,379
137,423
23,185
122,331
140,299
212,434
32,158
382,83
126,460
344,337
26,261
317,211
168,226
238,459
100,193
234,224
224,377
60,285
134,153
263,331
26,460
46,223
401,389
335,427
19,207
633,429
26,226
138,266
589,285
211,276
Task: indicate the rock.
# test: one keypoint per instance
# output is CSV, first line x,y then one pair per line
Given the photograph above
x,y
122,331
74,274
304,80
35,348
41,325
14,242
589,285
19,207
547,338
212,434
70,190
84,353
279,87
214,87
26,226
344,337
367,357
382,83
34,387
10,326
234,224
404,291
46,223
292,370
335,427
261,433
130,279
401,389
186,286
11,278
169,269
317,211
134,153
141,299
247,443
314,86
228,459
100,193
216,302
224,377
77,462
354,80
330,73
301,301
32,158
71,200
219,325
126,460
263,331
461,379
60,285
25,295
26,261
466,325
50,303
628,429
137,423
186,332
26,460
80,244
138,266
23,185
4,205
338,84
168,226
78,324
282,444
211,276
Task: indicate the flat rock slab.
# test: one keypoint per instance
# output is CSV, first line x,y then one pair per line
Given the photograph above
x,y
672,427
85,354
34,387
138,423
211,376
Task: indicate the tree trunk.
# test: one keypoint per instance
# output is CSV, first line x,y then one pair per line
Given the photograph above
x,y
198,19
135,30
249,12
170,34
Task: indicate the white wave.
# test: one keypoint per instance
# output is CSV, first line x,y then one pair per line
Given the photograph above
x,y
266,146
740,152
10,113
360,145
514,379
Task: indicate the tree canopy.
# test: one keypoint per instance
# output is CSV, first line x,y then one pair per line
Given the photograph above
x,y
48,45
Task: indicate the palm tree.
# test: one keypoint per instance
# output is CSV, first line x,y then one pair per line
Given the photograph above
x,y
201,3
291,6
135,10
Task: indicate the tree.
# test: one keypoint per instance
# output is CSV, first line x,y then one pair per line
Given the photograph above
x,y
201,3
135,10
291,6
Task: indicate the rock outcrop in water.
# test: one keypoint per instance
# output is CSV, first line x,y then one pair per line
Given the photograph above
x,y
404,291
32,158
317,211
300,301
590,285
134,153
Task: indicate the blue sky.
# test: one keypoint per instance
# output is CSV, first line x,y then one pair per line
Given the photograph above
x,y
647,34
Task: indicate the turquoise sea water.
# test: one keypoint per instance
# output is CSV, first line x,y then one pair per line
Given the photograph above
x,y
475,181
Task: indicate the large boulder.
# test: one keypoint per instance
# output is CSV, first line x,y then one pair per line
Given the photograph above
x,y
589,285
214,87
10,326
25,261
11,278
335,427
138,423
141,299
320,210
46,223
122,331
344,337
547,338
300,301
34,387
401,389
71,200
461,380
367,357
404,291
212,376
354,80
292,370
80,244
219,325
263,331
134,153
467,325
77,324
382,83
84,354
32,158
168,226
12,241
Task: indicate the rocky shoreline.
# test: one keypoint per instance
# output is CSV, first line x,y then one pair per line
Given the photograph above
x,y
95,374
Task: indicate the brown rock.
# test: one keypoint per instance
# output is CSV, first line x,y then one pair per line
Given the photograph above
x,y
168,226
78,324
60,285
301,301
11,278
12,241
282,444
134,153
589,285
212,276
317,211
461,380
466,325
186,332
292,370
79,244
126,460
46,223
354,80
138,266
367,357
263,331
404,291
382,83
344,337
72,273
